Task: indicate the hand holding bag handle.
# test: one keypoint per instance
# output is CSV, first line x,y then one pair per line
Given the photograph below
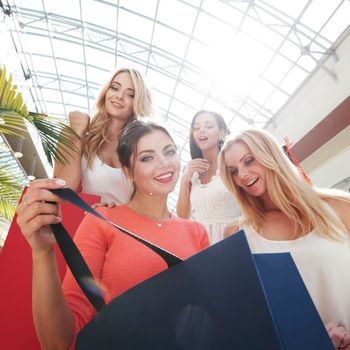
x,y
76,262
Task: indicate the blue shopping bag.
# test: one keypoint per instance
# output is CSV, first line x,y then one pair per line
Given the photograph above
x,y
222,298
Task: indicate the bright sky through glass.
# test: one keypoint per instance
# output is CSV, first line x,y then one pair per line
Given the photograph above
x,y
243,59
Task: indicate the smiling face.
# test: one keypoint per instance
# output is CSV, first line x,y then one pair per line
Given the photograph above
x,y
156,165
206,132
245,171
119,100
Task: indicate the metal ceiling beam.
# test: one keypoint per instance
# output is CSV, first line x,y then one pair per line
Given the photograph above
x,y
152,36
84,55
53,55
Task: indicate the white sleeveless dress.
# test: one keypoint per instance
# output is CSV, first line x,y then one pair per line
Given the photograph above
x,y
108,182
323,264
213,206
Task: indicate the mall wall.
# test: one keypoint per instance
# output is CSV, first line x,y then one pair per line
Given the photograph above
x,y
322,100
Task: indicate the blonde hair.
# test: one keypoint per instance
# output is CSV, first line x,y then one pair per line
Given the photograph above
x,y
299,201
96,134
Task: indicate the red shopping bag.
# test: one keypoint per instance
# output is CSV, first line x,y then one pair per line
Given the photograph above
x,y
16,321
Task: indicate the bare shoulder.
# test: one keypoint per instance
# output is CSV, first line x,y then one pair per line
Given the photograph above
x,y
342,209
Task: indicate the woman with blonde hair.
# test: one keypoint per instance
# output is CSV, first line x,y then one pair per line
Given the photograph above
x,y
283,213
96,168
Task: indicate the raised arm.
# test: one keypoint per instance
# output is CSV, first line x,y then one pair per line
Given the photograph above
x,y
183,206
71,171
53,319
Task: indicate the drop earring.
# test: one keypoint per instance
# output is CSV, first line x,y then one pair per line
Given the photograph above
x,y
221,141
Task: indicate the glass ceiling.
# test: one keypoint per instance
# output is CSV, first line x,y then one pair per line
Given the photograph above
x,y
242,58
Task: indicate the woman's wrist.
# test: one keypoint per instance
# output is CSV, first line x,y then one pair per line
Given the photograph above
x,y
43,254
185,181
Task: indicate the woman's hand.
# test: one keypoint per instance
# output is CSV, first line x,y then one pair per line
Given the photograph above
x,y
339,336
199,165
231,228
79,122
38,209
111,204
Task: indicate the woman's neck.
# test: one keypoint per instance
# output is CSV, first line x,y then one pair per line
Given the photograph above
x,y
150,205
211,155
115,126
267,202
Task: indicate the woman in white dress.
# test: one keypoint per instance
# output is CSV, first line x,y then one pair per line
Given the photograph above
x,y
96,168
281,212
202,193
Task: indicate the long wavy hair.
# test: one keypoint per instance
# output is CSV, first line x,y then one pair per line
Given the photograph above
x,y
299,201
96,134
194,149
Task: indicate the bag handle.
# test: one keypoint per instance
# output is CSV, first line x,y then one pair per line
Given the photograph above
x,y
76,262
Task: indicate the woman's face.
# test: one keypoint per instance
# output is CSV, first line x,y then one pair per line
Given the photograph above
x,y
206,132
246,172
156,166
119,101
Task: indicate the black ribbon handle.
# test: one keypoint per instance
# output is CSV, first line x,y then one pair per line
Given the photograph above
x,y
76,262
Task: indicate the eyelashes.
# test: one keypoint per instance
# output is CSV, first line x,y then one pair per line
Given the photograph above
x,y
169,152
247,162
115,87
233,172
197,128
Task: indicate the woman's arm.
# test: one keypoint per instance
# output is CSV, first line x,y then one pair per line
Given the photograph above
x,y
53,319
71,171
183,205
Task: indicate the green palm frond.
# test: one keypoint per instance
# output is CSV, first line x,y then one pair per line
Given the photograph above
x,y
9,196
11,185
14,113
51,131
14,117
11,123
9,98
4,226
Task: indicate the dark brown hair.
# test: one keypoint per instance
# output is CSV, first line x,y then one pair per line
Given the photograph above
x,y
194,149
132,133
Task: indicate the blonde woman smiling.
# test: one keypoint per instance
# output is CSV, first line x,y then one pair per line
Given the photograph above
x,y
96,169
283,213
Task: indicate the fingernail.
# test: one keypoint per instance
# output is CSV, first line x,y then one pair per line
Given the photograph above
x,y
60,182
58,219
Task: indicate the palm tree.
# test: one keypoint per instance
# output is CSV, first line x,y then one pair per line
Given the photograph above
x,y
13,119
11,183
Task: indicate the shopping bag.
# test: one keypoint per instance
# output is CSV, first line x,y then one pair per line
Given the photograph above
x,y
221,298
16,320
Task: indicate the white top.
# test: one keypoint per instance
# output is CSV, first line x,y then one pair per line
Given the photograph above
x,y
323,264
108,182
213,206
